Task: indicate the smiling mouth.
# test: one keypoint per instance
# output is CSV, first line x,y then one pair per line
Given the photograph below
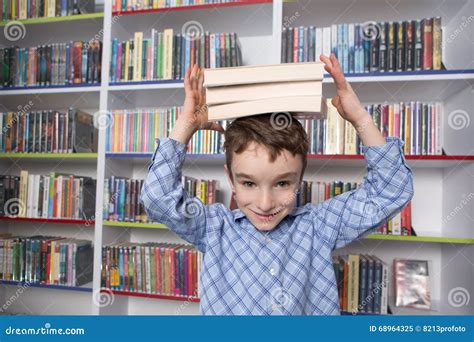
x,y
266,217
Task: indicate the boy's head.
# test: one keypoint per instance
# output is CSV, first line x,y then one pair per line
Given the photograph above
x,y
265,163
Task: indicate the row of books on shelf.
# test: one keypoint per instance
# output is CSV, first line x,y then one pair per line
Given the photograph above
x,y
46,260
137,5
72,63
362,283
122,197
57,195
417,123
27,9
47,131
318,192
136,130
166,55
153,268
370,46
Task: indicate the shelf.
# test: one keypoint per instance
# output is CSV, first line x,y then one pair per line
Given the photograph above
x,y
48,20
194,7
146,85
48,156
48,220
434,239
60,89
149,295
134,224
420,75
421,161
83,288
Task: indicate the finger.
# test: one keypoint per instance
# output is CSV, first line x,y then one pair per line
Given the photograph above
x,y
325,60
213,127
187,82
194,77
337,74
202,95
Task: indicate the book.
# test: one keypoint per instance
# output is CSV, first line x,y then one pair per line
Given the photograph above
x,y
363,48
362,283
248,92
254,74
70,63
303,105
48,196
28,9
153,268
46,260
48,131
167,55
138,5
411,283
122,197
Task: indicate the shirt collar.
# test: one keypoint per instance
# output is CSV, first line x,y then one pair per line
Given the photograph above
x,y
238,214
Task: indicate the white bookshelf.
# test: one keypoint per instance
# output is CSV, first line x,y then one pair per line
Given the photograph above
x,y
440,184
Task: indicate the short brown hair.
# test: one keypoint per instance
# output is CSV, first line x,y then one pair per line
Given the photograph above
x,y
275,131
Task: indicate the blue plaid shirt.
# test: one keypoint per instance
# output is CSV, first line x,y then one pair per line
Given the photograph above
x,y
289,269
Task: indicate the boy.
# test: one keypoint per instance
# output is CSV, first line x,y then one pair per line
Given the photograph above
x,y
268,256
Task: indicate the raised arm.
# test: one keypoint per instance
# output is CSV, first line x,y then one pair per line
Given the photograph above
x,y
388,185
163,195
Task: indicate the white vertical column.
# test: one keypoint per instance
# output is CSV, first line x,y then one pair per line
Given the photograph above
x,y
100,118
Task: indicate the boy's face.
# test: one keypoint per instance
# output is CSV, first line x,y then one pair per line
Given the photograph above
x,y
264,191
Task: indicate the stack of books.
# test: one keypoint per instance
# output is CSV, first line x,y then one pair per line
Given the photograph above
x,y
250,90
48,260
362,283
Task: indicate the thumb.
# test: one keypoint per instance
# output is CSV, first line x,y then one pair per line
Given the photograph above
x,y
213,127
336,102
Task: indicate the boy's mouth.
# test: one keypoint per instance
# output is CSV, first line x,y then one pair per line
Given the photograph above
x,y
265,217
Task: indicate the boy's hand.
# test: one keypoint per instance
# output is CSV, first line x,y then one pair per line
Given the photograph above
x,y
194,114
349,106
346,100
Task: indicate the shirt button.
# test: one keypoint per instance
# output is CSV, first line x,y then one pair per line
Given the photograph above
x,y
272,271
269,241
274,307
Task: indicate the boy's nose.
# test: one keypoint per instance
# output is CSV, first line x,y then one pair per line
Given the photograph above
x,y
266,203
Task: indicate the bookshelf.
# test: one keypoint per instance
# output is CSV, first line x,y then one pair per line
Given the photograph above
x,y
447,180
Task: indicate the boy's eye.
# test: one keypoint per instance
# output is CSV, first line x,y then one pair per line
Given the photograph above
x,y
248,184
283,183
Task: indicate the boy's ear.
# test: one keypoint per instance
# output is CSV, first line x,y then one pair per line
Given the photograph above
x,y
229,176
